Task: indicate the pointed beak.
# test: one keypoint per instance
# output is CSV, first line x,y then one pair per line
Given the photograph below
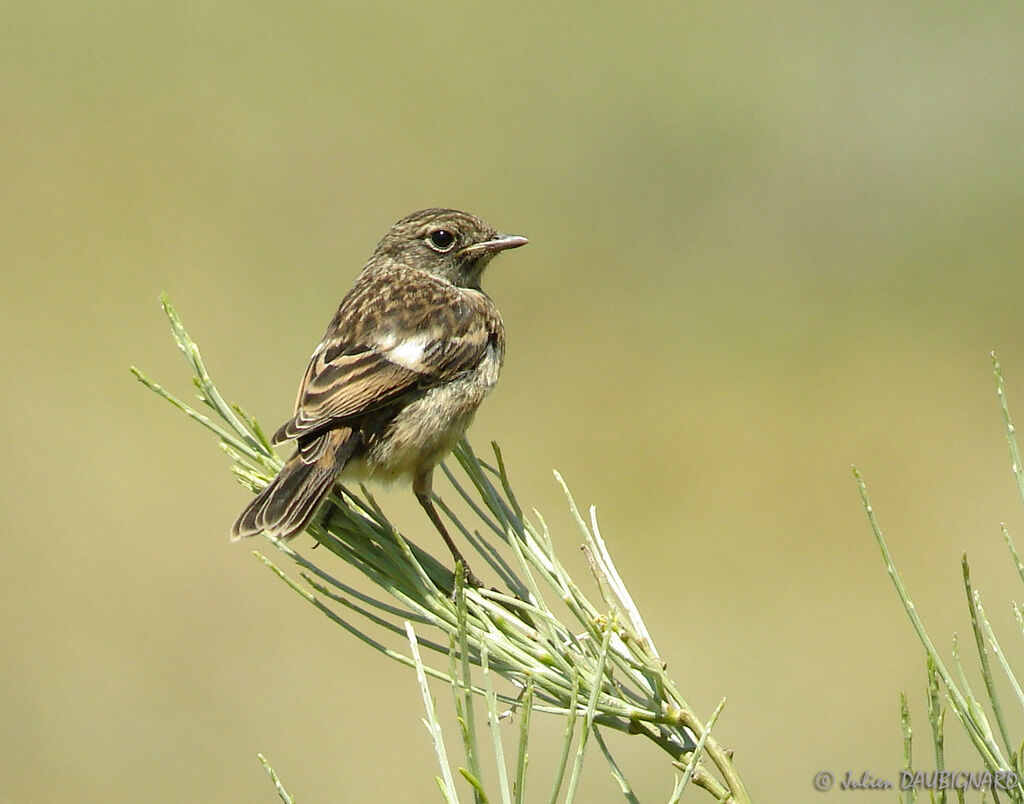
x,y
499,242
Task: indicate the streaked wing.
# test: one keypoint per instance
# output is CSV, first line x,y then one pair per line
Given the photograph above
x,y
394,351
346,386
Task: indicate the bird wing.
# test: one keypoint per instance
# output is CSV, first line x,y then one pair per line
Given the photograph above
x,y
373,353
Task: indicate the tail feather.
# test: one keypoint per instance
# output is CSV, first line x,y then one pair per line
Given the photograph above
x,y
286,506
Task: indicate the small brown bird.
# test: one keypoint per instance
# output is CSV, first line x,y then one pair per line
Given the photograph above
x,y
413,350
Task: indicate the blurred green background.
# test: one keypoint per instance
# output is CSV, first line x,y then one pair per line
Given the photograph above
x,y
768,240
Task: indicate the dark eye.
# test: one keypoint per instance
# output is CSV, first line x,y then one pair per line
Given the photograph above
x,y
441,239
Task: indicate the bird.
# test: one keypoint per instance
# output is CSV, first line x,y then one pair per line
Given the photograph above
x,y
408,357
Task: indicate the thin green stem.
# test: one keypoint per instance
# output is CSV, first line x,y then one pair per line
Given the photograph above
x,y
990,751
977,617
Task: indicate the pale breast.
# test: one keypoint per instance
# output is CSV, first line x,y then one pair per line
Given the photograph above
x,y
427,428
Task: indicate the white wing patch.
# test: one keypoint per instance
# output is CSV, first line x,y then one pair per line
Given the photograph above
x,y
408,353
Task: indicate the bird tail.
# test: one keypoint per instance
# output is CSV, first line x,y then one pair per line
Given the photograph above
x,y
285,507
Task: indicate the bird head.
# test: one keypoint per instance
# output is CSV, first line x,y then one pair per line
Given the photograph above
x,y
447,243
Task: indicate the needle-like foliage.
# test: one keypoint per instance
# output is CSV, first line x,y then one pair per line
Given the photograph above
x,y
1001,753
554,649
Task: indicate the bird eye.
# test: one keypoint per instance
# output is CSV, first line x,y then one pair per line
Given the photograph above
x,y
441,240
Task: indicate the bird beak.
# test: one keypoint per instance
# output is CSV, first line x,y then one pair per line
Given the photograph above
x,y
499,242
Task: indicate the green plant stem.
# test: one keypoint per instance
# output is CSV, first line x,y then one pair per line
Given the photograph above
x,y
980,736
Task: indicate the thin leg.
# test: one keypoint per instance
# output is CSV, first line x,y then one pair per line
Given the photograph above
x,y
422,489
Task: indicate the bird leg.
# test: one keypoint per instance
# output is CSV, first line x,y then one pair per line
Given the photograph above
x,y
422,488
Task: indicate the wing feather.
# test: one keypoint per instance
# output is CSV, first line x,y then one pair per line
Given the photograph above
x,y
374,353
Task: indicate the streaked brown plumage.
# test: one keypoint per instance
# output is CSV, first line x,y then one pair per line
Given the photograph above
x,y
406,361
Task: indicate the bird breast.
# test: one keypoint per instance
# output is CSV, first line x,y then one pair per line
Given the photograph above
x,y
427,428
